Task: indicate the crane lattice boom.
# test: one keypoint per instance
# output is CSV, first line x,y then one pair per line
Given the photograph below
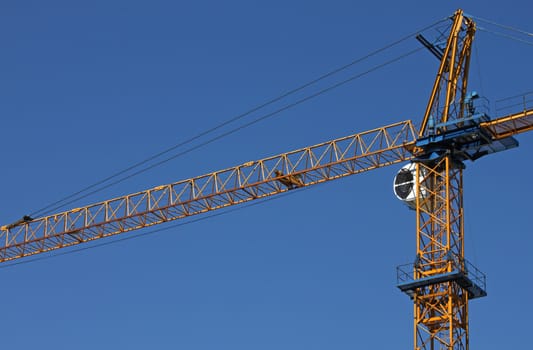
x,y
252,180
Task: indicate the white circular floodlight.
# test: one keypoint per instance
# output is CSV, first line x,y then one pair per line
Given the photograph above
x,y
405,185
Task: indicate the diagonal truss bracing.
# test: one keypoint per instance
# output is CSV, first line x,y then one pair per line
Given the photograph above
x,y
510,125
252,180
451,81
441,309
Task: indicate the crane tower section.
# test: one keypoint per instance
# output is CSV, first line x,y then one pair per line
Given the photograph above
x,y
440,281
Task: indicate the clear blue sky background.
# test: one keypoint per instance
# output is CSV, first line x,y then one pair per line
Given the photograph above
x,y
88,88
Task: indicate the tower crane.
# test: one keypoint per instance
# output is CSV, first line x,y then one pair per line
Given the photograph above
x,y
453,131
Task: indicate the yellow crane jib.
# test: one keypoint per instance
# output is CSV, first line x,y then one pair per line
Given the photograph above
x,y
326,161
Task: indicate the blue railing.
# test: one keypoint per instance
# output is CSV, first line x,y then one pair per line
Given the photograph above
x,y
514,104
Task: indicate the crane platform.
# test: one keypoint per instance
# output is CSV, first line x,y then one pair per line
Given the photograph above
x,y
467,138
468,277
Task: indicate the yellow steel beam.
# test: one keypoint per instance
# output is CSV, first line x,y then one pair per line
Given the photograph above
x,y
452,76
441,308
252,180
510,125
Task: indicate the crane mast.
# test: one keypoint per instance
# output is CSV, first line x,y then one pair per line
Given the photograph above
x,y
440,281
441,299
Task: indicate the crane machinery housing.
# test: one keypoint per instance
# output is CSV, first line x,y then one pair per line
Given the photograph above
x,y
454,130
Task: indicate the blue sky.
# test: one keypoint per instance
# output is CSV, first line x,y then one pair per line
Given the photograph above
x,y
88,88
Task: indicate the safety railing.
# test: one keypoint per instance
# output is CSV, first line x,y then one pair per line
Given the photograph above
x,y
409,273
511,105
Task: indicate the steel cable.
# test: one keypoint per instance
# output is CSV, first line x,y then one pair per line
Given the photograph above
x,y
69,199
232,131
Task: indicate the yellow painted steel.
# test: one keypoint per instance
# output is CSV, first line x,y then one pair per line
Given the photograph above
x,y
510,125
441,309
252,180
452,76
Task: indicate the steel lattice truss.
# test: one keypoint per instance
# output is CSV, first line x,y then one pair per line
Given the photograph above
x,y
441,318
452,78
510,125
253,180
